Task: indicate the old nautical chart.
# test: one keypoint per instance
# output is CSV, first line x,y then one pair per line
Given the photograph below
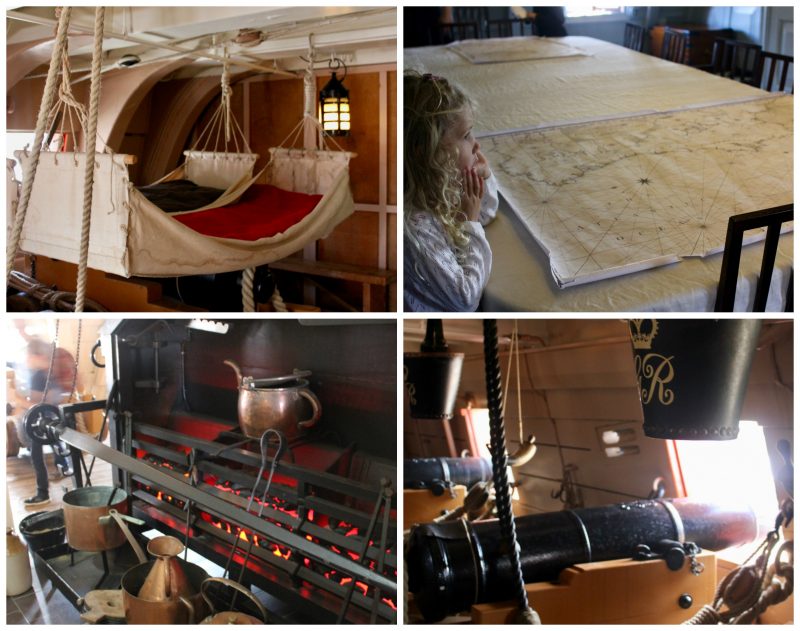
x,y
613,197
505,49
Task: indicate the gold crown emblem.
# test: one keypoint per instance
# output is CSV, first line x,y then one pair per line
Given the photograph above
x,y
643,332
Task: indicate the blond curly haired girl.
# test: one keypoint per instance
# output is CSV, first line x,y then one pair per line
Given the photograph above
x,y
449,195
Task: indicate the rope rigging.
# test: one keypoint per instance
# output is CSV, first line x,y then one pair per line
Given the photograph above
x,y
41,123
752,588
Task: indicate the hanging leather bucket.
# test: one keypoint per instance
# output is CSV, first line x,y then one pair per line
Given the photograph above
x,y
693,375
432,376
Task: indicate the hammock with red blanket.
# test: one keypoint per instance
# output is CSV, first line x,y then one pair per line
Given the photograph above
x,y
262,211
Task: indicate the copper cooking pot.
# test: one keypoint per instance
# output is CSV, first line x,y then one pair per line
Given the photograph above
x,y
232,617
180,610
86,512
275,403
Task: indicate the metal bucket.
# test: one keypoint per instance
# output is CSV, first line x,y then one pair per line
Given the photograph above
x,y
83,509
44,529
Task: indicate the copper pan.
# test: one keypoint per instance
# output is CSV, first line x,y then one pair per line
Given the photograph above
x,y
83,510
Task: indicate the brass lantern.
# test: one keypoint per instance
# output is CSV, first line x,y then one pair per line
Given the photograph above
x,y
334,103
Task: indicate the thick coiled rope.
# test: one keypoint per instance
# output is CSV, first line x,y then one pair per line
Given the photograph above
x,y
505,513
90,143
248,299
50,87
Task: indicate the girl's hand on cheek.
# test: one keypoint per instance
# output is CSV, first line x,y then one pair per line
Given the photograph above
x,y
482,165
472,194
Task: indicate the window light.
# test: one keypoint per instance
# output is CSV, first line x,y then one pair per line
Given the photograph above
x,y
736,471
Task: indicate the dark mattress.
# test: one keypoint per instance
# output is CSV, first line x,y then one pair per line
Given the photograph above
x,y
179,195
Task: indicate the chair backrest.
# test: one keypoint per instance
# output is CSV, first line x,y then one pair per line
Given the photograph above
x,y
455,31
736,60
775,72
772,219
509,27
675,46
477,15
634,37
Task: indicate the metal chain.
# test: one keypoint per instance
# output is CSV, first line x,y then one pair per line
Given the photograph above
x,y
52,363
77,361
692,550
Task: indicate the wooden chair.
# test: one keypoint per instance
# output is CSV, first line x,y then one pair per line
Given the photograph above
x,y
735,60
772,218
675,46
634,37
455,31
478,15
774,67
509,27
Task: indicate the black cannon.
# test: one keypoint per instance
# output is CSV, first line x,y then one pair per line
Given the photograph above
x,y
452,566
438,474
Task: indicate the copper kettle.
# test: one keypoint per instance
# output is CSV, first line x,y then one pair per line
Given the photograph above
x,y
275,403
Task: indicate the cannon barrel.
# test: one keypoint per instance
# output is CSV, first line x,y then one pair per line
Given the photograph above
x,y
437,474
452,566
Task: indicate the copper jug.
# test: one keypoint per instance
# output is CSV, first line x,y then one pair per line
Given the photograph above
x,y
166,580
275,403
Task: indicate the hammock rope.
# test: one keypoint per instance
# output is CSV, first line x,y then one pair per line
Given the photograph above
x,y
90,143
67,103
41,121
248,300
223,124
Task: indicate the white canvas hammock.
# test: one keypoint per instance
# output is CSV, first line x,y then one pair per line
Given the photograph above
x,y
130,236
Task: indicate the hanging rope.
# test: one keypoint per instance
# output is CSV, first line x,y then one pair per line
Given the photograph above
x,y
226,97
277,301
52,364
223,124
248,300
67,103
41,122
90,143
502,488
527,447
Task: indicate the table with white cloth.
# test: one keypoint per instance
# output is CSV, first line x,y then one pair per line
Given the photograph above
x,y
618,172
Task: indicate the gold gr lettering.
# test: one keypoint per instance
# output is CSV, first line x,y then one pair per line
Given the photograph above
x,y
655,372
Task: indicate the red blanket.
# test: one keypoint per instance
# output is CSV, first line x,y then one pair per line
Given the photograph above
x,y
263,211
